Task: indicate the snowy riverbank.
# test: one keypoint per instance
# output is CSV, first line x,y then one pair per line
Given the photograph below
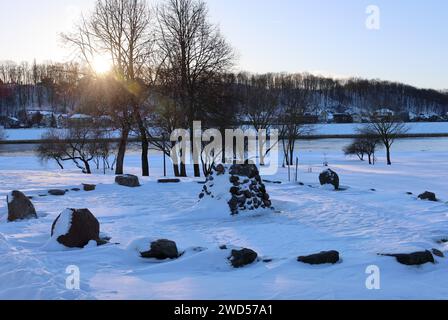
x,y
319,130
358,222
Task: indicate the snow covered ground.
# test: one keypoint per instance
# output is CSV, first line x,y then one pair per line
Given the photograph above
x,y
358,222
320,129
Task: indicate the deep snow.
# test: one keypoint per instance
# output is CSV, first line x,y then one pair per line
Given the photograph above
x,y
358,222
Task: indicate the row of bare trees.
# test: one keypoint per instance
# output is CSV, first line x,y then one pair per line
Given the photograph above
x,y
173,46
171,67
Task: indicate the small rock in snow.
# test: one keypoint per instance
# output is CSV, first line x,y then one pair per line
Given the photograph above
x,y
161,250
56,192
430,196
413,259
243,257
323,257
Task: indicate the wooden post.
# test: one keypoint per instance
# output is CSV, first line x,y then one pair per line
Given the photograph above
x,y
297,169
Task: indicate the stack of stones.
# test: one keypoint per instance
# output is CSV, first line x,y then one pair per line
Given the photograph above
x,y
245,186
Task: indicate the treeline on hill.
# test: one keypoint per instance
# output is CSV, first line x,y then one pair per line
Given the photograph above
x,y
170,67
60,87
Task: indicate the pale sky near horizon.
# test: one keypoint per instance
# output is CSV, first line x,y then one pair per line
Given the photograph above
x,y
327,37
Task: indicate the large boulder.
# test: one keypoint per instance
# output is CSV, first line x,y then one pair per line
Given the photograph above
x,y
127,180
243,257
161,250
323,257
75,228
240,185
430,196
413,259
19,207
329,177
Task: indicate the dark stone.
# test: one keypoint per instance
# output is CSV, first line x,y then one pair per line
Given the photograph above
x,y
413,259
168,180
103,241
246,170
267,203
373,190
89,187
161,250
56,192
442,241
223,247
430,196
235,180
84,228
409,193
235,191
19,207
220,169
76,189
329,177
201,195
438,253
320,258
241,258
127,180
301,184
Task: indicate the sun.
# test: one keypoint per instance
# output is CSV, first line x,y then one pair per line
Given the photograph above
x,y
101,65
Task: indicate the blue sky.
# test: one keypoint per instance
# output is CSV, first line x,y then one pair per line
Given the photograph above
x,y
320,36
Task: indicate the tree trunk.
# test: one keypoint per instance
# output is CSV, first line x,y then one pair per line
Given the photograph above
x,y
389,161
87,167
176,170
122,151
183,170
145,141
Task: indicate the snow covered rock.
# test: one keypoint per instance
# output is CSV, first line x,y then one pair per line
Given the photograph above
x,y
438,253
161,250
320,258
240,185
413,259
56,192
243,257
19,207
127,180
329,177
75,228
89,187
430,196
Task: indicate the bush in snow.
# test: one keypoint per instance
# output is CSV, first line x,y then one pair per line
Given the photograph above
x,y
329,177
19,207
240,185
75,228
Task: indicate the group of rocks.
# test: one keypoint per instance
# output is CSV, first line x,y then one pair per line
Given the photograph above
x,y
247,192
329,177
80,227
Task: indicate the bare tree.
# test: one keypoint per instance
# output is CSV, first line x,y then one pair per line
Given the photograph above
x,y
294,105
120,29
194,51
80,144
260,101
388,129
